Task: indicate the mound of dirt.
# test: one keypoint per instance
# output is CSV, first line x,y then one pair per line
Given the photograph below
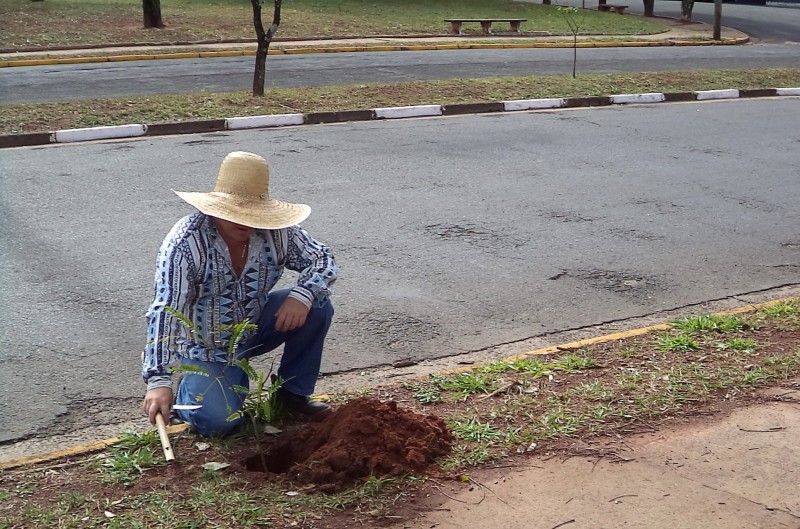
x,y
362,438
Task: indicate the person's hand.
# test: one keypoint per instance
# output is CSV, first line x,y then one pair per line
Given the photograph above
x,y
157,400
291,315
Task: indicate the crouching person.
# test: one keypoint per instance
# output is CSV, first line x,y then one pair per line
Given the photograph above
x,y
217,268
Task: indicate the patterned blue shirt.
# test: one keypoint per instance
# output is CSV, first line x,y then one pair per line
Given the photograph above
x,y
194,276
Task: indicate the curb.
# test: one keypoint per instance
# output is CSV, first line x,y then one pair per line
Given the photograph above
x,y
376,48
570,346
315,118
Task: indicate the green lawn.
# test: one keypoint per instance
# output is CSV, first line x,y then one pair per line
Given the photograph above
x,y
25,24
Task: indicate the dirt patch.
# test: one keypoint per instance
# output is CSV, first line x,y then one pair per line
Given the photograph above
x,y
362,438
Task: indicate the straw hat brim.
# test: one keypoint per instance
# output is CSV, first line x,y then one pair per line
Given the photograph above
x,y
267,213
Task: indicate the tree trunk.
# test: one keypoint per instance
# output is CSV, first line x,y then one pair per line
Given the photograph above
x,y
649,8
264,38
152,14
686,10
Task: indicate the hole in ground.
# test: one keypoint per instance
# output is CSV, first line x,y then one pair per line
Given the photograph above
x,y
277,461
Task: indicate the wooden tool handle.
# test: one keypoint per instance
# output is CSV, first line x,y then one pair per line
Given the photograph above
x,y
162,434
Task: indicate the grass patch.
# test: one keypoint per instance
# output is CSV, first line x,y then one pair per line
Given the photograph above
x,y
45,117
497,410
26,24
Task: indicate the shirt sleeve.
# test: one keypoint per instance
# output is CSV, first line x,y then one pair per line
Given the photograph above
x,y
315,263
174,287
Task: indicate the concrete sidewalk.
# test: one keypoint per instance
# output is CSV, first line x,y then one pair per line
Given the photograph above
x,y
679,34
734,472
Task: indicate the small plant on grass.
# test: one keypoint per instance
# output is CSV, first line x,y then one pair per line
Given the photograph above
x,y
560,421
783,309
679,342
462,456
575,24
573,363
474,430
744,345
700,324
424,393
466,384
131,457
593,391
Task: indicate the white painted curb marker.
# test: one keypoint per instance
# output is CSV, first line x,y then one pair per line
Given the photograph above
x,y
98,133
256,122
532,104
626,99
408,112
703,95
789,91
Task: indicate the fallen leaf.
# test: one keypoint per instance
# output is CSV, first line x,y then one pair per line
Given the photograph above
x,y
271,430
202,447
109,514
214,466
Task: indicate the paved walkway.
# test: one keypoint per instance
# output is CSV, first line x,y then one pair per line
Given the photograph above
x,y
735,472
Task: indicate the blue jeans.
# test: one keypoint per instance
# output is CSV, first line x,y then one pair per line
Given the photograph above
x,y
299,368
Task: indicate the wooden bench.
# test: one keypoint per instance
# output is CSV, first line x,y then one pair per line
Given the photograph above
x,y
486,24
618,9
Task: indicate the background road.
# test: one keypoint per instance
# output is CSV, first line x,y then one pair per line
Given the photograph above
x,y
140,78
778,26
453,234
776,23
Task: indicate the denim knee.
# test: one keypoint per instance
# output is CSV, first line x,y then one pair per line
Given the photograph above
x,y
211,422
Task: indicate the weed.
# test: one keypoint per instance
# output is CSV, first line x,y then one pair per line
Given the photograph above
x,y
706,323
466,383
603,412
130,457
474,430
629,379
462,456
593,391
560,421
755,376
572,363
782,310
630,352
424,393
744,345
679,342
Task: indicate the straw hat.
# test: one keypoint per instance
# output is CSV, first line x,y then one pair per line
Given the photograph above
x,y
241,195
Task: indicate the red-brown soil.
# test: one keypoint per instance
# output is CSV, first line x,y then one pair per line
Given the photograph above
x,y
362,438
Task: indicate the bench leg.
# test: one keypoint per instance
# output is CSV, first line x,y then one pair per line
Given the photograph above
x,y
515,27
455,28
486,27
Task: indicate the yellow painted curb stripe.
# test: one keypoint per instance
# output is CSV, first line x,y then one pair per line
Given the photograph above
x,y
570,346
75,451
140,57
379,48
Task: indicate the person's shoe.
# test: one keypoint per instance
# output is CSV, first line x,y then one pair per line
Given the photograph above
x,y
301,405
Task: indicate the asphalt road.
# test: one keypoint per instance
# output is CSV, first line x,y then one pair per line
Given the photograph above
x,y
778,26
141,78
775,23
453,234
